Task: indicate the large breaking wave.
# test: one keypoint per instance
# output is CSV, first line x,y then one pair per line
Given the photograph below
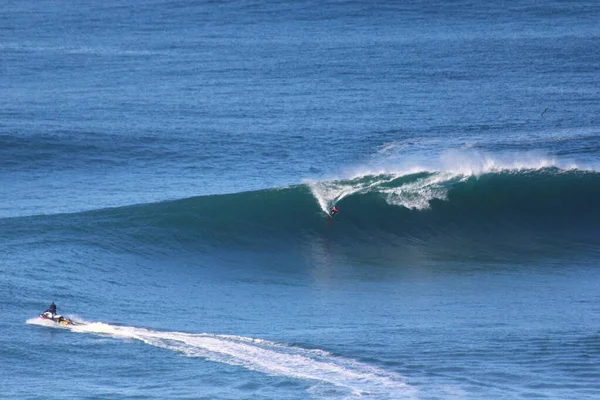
x,y
524,209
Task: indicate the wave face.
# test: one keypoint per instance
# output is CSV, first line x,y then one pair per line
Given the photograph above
x,y
438,212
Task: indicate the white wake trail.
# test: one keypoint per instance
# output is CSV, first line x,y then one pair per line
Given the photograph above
x,y
352,377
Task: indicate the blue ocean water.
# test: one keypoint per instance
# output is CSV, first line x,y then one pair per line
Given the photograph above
x,y
166,168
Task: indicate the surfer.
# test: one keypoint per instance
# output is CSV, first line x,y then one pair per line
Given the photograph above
x,y
334,210
51,309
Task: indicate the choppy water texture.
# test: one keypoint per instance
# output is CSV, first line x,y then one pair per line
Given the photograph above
x,y
167,168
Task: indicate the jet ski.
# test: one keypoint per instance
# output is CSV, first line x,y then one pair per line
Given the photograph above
x,y
59,319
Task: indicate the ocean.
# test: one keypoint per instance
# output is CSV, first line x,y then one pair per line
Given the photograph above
x,y
167,168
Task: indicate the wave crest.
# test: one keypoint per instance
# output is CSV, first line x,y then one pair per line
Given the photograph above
x,y
510,209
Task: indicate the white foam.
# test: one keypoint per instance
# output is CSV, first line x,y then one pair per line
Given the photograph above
x,y
328,193
474,163
351,377
417,195
451,167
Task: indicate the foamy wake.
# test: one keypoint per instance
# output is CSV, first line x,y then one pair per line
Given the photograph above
x,y
350,377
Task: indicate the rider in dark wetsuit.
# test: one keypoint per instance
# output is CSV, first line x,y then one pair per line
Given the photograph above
x,y
51,309
334,210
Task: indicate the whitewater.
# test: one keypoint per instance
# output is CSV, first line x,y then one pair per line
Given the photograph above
x,y
166,169
433,182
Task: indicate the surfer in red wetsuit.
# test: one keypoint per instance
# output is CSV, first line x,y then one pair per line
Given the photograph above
x,y
334,210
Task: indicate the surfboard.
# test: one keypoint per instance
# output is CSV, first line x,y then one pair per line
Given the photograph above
x,y
329,212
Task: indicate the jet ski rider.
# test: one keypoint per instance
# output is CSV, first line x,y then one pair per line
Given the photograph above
x,y
51,309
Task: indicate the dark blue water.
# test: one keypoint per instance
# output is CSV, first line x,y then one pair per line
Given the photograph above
x,y
166,169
